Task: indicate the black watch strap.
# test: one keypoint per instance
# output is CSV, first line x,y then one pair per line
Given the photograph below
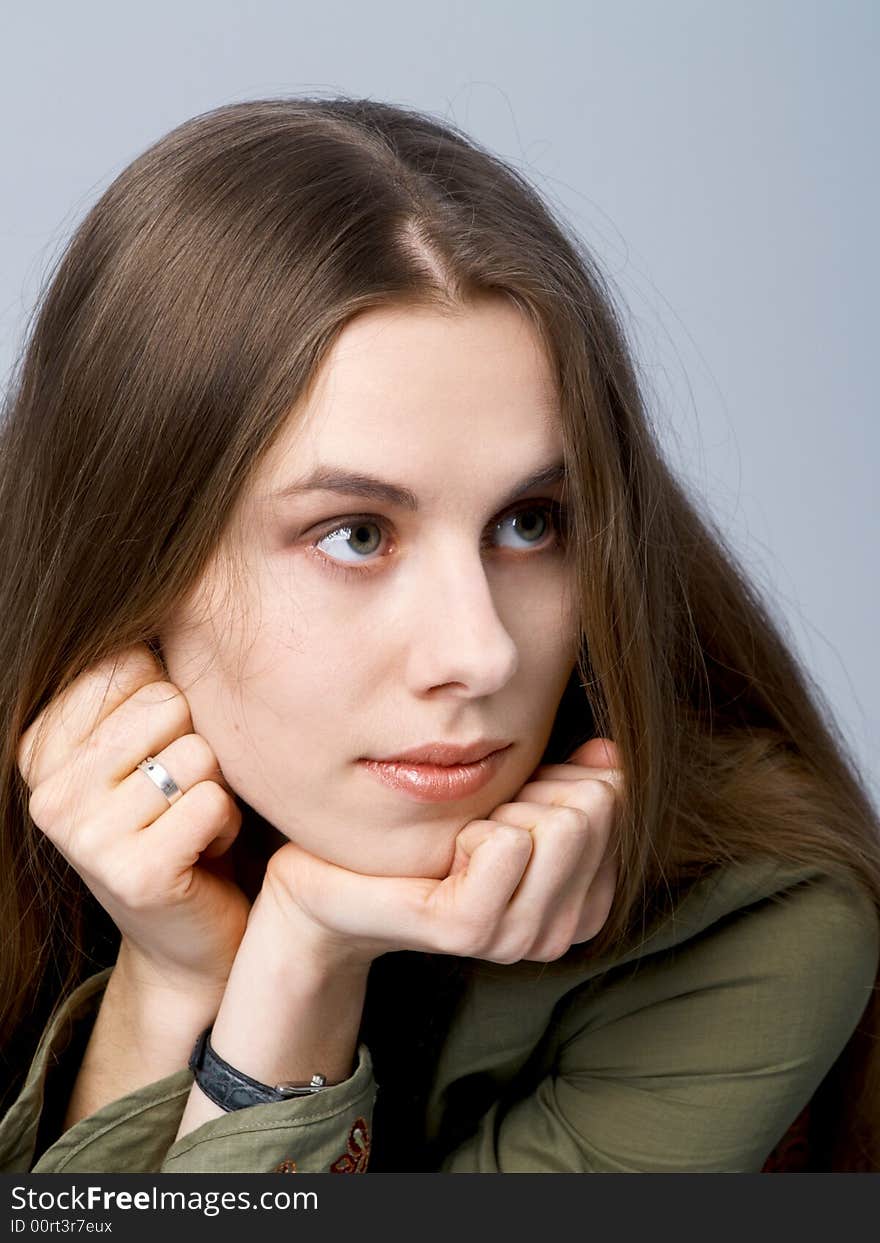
x,y
233,1089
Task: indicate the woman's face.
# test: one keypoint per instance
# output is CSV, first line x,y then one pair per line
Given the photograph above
x,y
372,623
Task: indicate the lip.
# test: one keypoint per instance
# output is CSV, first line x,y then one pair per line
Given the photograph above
x,y
436,783
445,753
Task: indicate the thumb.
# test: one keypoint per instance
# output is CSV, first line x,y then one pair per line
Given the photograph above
x,y
467,841
493,871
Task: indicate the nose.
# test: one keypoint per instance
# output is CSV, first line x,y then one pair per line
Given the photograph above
x,y
457,636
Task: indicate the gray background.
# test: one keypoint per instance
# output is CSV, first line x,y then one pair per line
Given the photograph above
x,y
720,159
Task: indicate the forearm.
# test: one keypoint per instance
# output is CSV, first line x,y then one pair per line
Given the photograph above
x,y
290,1010
144,1031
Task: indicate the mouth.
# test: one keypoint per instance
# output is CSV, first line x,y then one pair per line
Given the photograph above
x,y
436,782
445,754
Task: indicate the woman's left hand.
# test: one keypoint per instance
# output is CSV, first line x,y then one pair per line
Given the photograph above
x,y
566,893
535,878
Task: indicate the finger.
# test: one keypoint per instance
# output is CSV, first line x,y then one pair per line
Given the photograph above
x,y
138,802
564,898
467,841
596,794
144,724
455,916
542,918
475,832
596,907
464,910
47,744
560,836
495,869
574,773
596,798
205,819
389,912
147,721
596,753
452,916
159,869
208,823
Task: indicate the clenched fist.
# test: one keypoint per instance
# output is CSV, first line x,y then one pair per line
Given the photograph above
x,y
156,868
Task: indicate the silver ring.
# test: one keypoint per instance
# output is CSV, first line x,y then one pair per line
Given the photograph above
x,y
161,777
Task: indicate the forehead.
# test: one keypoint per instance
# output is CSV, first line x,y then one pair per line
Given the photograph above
x,y
420,388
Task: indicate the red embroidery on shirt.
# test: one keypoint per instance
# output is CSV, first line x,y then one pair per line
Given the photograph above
x,y
287,1166
355,1160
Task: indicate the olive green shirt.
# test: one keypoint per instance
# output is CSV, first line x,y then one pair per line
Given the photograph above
x,y
693,1050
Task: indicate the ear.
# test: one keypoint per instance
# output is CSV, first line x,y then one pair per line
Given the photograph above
x,y
597,753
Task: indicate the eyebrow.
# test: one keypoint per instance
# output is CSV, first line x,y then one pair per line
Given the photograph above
x,y
353,483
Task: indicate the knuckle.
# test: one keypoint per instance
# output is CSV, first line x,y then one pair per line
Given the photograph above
x,y
41,806
210,799
200,754
23,753
48,805
153,694
594,920
156,691
504,958
138,661
130,897
468,938
234,816
126,888
559,948
124,670
462,943
86,840
31,750
503,810
545,953
591,928
604,795
507,952
192,756
554,946
137,889
570,820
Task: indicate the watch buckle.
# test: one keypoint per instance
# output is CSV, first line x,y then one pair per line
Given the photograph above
x,y
302,1089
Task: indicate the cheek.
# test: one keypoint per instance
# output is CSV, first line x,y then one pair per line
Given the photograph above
x,y
548,668
547,636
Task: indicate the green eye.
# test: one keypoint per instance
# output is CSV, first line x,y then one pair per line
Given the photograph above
x,y
357,534
529,523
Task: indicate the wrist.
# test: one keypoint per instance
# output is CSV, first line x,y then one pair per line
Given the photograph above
x,y
144,977
287,1016
231,1088
159,1007
279,930
139,1036
293,1003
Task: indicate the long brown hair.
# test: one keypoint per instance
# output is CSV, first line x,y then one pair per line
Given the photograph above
x,y
183,323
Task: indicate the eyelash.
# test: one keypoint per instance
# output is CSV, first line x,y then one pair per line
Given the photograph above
x,y
557,511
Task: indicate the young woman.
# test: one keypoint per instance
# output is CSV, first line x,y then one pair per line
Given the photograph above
x,y
336,551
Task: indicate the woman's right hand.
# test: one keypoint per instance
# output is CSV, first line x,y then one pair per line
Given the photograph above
x,y
144,859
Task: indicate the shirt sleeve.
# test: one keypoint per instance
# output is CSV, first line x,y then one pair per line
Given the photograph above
x,y
329,1131
39,1107
698,1060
